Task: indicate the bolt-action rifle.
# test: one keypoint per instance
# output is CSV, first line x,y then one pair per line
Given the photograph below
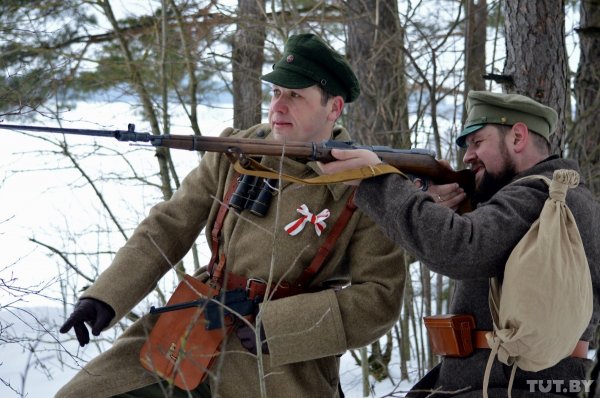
x,y
418,163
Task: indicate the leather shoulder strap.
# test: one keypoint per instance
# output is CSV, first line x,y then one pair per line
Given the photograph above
x,y
311,271
218,225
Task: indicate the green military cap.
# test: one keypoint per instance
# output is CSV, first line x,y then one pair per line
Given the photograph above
x,y
484,107
307,60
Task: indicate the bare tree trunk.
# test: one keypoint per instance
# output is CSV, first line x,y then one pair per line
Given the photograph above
x,y
412,316
440,300
426,300
191,65
380,114
475,39
162,154
584,143
247,62
374,48
364,362
536,61
404,345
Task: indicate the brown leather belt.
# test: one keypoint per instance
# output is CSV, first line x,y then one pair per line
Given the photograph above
x,y
258,287
580,351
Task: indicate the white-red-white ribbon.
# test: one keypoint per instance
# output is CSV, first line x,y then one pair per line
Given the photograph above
x,y
296,226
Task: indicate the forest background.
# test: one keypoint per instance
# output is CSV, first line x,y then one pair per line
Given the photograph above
x,y
68,203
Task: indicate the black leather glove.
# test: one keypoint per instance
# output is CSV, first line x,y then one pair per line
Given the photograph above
x,y
97,313
248,338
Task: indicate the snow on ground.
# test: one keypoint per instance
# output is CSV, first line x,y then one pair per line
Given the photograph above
x,y
35,360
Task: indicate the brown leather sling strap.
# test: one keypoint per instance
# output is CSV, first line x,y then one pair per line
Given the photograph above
x,y
309,272
257,287
218,225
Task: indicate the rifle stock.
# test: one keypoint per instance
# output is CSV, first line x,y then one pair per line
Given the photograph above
x,y
417,162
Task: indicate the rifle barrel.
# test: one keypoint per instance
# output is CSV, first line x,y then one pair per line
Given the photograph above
x,y
412,161
43,129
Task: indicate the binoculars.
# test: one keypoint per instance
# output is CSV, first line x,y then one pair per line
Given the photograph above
x,y
253,193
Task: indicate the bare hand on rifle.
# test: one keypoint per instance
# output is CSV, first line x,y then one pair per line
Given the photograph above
x,y
348,160
448,195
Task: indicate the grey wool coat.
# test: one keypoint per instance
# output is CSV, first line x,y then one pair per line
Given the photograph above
x,y
475,246
306,333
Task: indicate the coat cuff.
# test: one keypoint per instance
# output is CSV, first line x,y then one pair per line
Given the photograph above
x,y
303,327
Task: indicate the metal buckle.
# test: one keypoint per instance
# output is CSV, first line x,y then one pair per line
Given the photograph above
x,y
250,291
257,280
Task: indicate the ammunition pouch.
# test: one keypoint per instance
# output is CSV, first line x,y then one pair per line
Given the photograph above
x,y
180,347
451,335
187,336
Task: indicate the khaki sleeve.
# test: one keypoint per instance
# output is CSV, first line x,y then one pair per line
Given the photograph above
x,y
315,325
159,242
315,330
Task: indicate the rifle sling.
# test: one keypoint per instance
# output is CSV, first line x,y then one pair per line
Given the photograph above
x,y
258,170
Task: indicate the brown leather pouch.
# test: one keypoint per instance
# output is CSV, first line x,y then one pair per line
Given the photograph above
x,y
450,335
179,348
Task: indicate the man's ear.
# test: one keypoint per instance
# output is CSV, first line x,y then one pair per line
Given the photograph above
x,y
520,136
337,105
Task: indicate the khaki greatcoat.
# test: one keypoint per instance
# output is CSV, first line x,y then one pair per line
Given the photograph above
x,y
306,333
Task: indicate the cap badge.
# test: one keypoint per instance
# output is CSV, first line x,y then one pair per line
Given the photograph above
x,y
289,59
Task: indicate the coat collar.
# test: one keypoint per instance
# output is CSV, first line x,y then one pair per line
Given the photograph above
x,y
308,169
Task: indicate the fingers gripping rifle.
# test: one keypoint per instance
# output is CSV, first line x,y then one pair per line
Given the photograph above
x,y
419,163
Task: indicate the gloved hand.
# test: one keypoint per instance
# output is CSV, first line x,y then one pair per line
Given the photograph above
x,y
247,337
97,313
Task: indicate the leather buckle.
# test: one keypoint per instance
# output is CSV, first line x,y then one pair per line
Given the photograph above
x,y
255,287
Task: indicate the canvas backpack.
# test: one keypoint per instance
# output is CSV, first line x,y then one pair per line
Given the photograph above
x,y
544,303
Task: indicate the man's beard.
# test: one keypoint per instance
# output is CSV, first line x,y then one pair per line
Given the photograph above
x,y
490,184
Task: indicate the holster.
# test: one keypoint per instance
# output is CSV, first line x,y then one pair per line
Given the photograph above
x,y
450,334
180,349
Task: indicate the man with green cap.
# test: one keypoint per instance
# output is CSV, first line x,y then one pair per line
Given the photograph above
x,y
308,231
506,137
